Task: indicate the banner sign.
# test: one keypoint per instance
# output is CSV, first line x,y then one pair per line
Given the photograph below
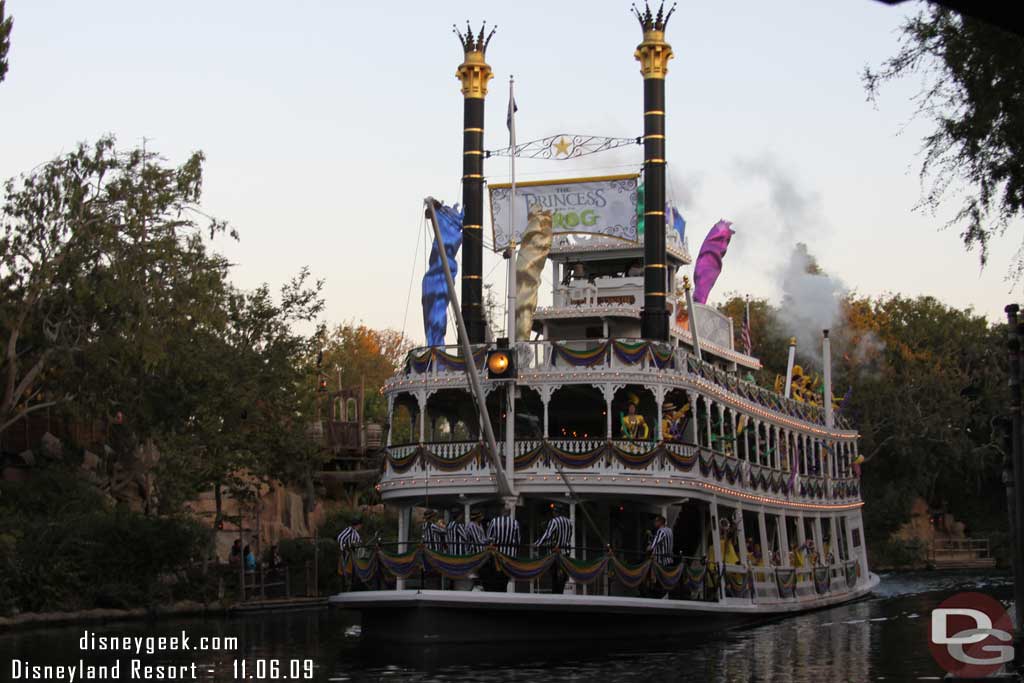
x,y
592,206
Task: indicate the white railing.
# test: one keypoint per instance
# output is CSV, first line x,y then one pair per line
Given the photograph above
x,y
546,358
617,463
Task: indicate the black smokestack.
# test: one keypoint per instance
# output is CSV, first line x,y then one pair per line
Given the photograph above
x,y
653,54
474,72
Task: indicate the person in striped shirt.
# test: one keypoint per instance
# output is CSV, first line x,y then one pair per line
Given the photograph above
x,y
348,539
455,534
558,534
476,537
503,534
432,534
660,546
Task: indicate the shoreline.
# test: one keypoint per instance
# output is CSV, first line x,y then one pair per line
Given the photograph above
x,y
186,608
28,620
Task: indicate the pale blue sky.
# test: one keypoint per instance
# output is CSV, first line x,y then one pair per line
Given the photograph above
x,y
325,123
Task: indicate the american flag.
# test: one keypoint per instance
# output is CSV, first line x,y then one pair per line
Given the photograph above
x,y
745,339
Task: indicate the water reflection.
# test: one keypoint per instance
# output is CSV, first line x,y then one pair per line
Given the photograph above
x,y
880,638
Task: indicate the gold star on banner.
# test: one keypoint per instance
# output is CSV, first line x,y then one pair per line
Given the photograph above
x,y
562,146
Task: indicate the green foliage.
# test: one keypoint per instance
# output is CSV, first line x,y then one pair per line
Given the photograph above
x,y
62,548
926,381
105,269
296,552
891,553
972,90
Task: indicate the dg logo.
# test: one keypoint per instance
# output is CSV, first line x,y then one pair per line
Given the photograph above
x,y
971,635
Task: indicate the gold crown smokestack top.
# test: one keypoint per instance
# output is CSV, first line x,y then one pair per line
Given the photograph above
x,y
653,54
473,73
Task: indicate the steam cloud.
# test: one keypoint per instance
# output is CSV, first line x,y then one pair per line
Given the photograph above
x,y
811,299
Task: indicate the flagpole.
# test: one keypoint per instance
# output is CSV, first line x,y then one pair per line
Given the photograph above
x,y
510,301
511,249
747,342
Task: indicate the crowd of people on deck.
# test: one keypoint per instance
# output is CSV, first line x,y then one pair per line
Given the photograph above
x,y
460,537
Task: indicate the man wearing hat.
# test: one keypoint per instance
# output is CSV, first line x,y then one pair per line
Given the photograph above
x,y
557,535
432,533
476,539
348,539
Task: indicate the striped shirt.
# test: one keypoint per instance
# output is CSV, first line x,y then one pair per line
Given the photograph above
x,y
348,538
432,534
476,539
558,533
503,532
661,545
455,536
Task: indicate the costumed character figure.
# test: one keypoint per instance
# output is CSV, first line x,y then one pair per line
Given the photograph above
x,y
634,427
796,552
729,554
673,422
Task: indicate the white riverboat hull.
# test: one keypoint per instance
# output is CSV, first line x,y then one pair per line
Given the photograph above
x,y
434,616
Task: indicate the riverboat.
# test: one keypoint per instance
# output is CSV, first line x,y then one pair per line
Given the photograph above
x,y
624,401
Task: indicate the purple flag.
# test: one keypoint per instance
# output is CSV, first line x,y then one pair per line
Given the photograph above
x,y
709,261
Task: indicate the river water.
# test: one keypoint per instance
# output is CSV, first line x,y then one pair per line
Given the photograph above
x,y
881,638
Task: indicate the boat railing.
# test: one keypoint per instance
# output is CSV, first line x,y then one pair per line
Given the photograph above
x,y
590,571
614,461
568,359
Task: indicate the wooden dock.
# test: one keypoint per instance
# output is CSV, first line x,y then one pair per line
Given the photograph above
x,y
279,604
961,553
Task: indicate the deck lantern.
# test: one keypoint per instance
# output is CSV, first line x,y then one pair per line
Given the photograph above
x,y
500,362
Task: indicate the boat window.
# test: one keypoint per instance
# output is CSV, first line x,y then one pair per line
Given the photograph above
x,y
577,411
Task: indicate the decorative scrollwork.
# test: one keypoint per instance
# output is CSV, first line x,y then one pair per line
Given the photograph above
x,y
563,146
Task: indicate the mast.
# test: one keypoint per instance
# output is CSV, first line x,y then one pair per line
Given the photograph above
x,y
653,54
500,477
474,72
510,296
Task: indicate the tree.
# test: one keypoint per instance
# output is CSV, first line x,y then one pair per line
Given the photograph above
x,y
973,92
246,398
361,352
925,381
5,39
102,265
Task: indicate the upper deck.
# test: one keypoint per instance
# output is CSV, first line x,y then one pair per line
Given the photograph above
x,y
746,443
698,427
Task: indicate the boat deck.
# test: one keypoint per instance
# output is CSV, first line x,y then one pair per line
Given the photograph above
x,y
428,616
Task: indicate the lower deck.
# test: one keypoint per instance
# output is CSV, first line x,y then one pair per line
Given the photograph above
x,y
453,616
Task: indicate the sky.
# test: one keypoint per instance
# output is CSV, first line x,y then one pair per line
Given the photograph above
x,y
325,123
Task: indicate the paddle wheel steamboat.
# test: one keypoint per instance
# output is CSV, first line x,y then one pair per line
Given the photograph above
x,y
622,401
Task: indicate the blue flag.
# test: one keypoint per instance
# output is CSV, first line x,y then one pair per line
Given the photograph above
x,y
435,288
679,223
